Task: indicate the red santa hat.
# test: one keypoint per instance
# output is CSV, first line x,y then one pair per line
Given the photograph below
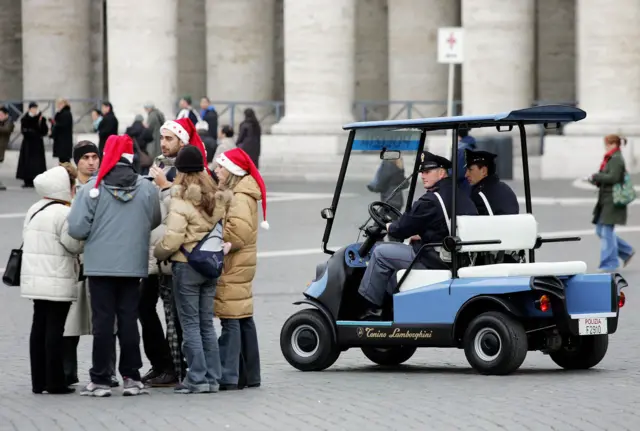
x,y
116,147
186,132
239,163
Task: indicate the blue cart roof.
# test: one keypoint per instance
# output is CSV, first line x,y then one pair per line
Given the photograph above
x,y
536,115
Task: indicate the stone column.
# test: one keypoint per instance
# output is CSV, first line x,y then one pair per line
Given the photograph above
x,y
240,46
98,54
556,45
498,69
372,57
608,67
10,50
142,66
192,50
414,71
319,66
278,51
56,51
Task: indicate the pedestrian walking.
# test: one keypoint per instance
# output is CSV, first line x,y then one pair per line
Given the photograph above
x,y
607,213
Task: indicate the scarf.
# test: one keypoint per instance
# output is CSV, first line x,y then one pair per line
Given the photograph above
x,y
608,156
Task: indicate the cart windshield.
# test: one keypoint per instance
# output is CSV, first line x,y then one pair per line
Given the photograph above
x,y
379,163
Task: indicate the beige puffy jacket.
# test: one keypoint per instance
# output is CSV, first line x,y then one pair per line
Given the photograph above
x,y
234,293
185,225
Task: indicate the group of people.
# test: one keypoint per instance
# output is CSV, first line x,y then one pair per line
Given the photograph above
x,y
105,243
145,133
480,192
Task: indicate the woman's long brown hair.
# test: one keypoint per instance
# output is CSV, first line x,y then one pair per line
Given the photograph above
x,y
615,140
207,186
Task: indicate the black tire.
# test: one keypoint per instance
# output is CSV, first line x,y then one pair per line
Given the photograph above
x,y
388,356
586,352
306,341
495,344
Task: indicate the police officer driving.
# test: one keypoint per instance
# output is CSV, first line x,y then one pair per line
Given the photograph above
x,y
424,223
490,195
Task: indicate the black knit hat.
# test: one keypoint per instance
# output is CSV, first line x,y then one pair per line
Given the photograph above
x,y
189,159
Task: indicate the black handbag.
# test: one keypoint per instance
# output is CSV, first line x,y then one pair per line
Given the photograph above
x,y
11,275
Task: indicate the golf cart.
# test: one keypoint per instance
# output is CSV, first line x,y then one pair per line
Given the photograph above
x,y
496,312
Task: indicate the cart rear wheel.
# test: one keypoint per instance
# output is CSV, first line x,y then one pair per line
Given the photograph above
x,y
582,353
388,356
306,341
495,343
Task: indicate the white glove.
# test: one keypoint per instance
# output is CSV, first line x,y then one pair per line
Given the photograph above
x,y
226,247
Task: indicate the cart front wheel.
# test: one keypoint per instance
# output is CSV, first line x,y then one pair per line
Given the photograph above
x,y
495,344
306,341
388,356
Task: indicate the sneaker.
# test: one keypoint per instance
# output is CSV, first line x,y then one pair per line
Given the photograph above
x,y
133,388
2,186
114,382
183,389
151,374
163,380
95,390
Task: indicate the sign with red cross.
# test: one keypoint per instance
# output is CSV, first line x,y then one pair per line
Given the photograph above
x,y
450,45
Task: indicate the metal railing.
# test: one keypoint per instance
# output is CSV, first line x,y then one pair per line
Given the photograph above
x,y
269,111
81,109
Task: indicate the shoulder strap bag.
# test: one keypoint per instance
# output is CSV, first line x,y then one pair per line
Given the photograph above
x,y
11,275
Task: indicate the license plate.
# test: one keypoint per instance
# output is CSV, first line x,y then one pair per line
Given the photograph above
x,y
592,326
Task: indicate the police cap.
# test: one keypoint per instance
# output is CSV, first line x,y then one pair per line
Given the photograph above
x,y
430,161
483,158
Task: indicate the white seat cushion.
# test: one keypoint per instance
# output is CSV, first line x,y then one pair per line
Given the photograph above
x,y
517,232
422,277
524,269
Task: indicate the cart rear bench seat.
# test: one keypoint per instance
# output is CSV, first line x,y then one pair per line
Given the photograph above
x,y
517,232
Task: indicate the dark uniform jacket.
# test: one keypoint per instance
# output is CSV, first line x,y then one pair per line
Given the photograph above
x,y
427,219
501,198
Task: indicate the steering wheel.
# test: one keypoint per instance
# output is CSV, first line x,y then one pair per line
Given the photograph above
x,y
382,218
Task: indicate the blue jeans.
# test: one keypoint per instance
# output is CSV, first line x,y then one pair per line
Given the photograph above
x,y
239,352
193,295
612,247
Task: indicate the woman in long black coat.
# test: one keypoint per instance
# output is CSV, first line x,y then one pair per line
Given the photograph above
x,y
31,161
62,132
249,133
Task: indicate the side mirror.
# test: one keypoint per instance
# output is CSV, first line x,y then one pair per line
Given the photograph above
x,y
326,213
389,155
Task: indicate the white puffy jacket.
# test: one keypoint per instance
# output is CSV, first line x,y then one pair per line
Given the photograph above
x,y
49,255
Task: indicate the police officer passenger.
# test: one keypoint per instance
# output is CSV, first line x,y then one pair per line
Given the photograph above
x,y
490,195
424,223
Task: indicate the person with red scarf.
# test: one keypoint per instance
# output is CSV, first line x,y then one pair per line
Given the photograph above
x,y
606,215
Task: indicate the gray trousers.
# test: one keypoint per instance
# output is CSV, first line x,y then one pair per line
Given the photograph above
x,y
380,275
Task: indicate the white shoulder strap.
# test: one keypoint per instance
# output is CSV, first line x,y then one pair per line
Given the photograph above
x,y
444,211
486,202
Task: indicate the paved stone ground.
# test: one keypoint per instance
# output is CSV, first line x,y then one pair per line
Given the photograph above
x,y
436,389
